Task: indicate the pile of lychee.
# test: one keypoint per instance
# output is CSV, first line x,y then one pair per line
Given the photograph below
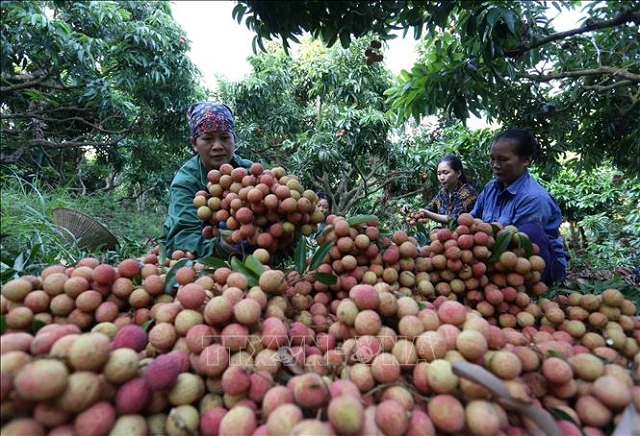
x,y
462,262
265,207
116,352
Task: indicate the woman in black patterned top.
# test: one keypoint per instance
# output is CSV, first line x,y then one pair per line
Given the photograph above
x,y
455,197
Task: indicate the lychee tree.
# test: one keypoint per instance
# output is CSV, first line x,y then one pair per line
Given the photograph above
x,y
320,114
421,149
601,209
112,78
502,60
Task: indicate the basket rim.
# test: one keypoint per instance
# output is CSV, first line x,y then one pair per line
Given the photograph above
x,y
111,240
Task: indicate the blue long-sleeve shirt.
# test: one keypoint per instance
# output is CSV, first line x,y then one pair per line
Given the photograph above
x,y
525,201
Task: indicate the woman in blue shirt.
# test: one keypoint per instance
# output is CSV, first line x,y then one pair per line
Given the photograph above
x,y
516,198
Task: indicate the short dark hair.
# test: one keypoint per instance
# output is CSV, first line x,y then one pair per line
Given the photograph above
x,y
456,165
325,196
526,144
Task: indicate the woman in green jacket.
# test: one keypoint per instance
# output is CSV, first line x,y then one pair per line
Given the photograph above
x,y
213,141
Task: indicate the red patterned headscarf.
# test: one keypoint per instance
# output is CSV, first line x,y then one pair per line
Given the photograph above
x,y
206,116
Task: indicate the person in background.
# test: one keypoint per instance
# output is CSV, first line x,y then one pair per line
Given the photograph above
x,y
324,205
213,142
456,196
514,197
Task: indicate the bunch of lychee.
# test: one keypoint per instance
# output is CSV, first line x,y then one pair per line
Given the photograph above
x,y
373,53
416,217
362,256
265,207
460,262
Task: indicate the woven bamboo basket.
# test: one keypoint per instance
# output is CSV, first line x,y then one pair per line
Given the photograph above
x,y
89,233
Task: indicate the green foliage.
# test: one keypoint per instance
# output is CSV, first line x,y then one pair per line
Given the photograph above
x,y
502,242
320,114
421,149
507,62
317,256
30,240
94,93
238,266
94,96
300,255
422,234
323,110
602,210
330,20
576,89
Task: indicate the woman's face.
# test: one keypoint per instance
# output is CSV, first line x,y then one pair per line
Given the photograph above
x,y
323,206
214,148
506,164
447,177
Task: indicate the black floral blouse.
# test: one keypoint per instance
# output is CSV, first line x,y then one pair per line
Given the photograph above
x,y
460,201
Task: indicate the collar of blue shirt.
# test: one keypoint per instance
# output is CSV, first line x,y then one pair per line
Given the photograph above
x,y
516,186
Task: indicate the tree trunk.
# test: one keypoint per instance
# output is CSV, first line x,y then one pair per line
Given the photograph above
x,y
575,236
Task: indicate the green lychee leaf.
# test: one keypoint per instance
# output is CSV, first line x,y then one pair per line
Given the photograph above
x,y
214,262
554,353
525,243
361,219
237,266
500,245
422,230
7,274
162,254
170,279
452,224
319,255
326,279
254,265
300,255
146,326
3,325
36,325
561,415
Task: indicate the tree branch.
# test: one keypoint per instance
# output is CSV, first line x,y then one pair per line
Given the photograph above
x,y
28,80
634,101
70,144
37,83
590,25
365,179
621,72
20,86
379,184
603,88
13,157
61,109
32,116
